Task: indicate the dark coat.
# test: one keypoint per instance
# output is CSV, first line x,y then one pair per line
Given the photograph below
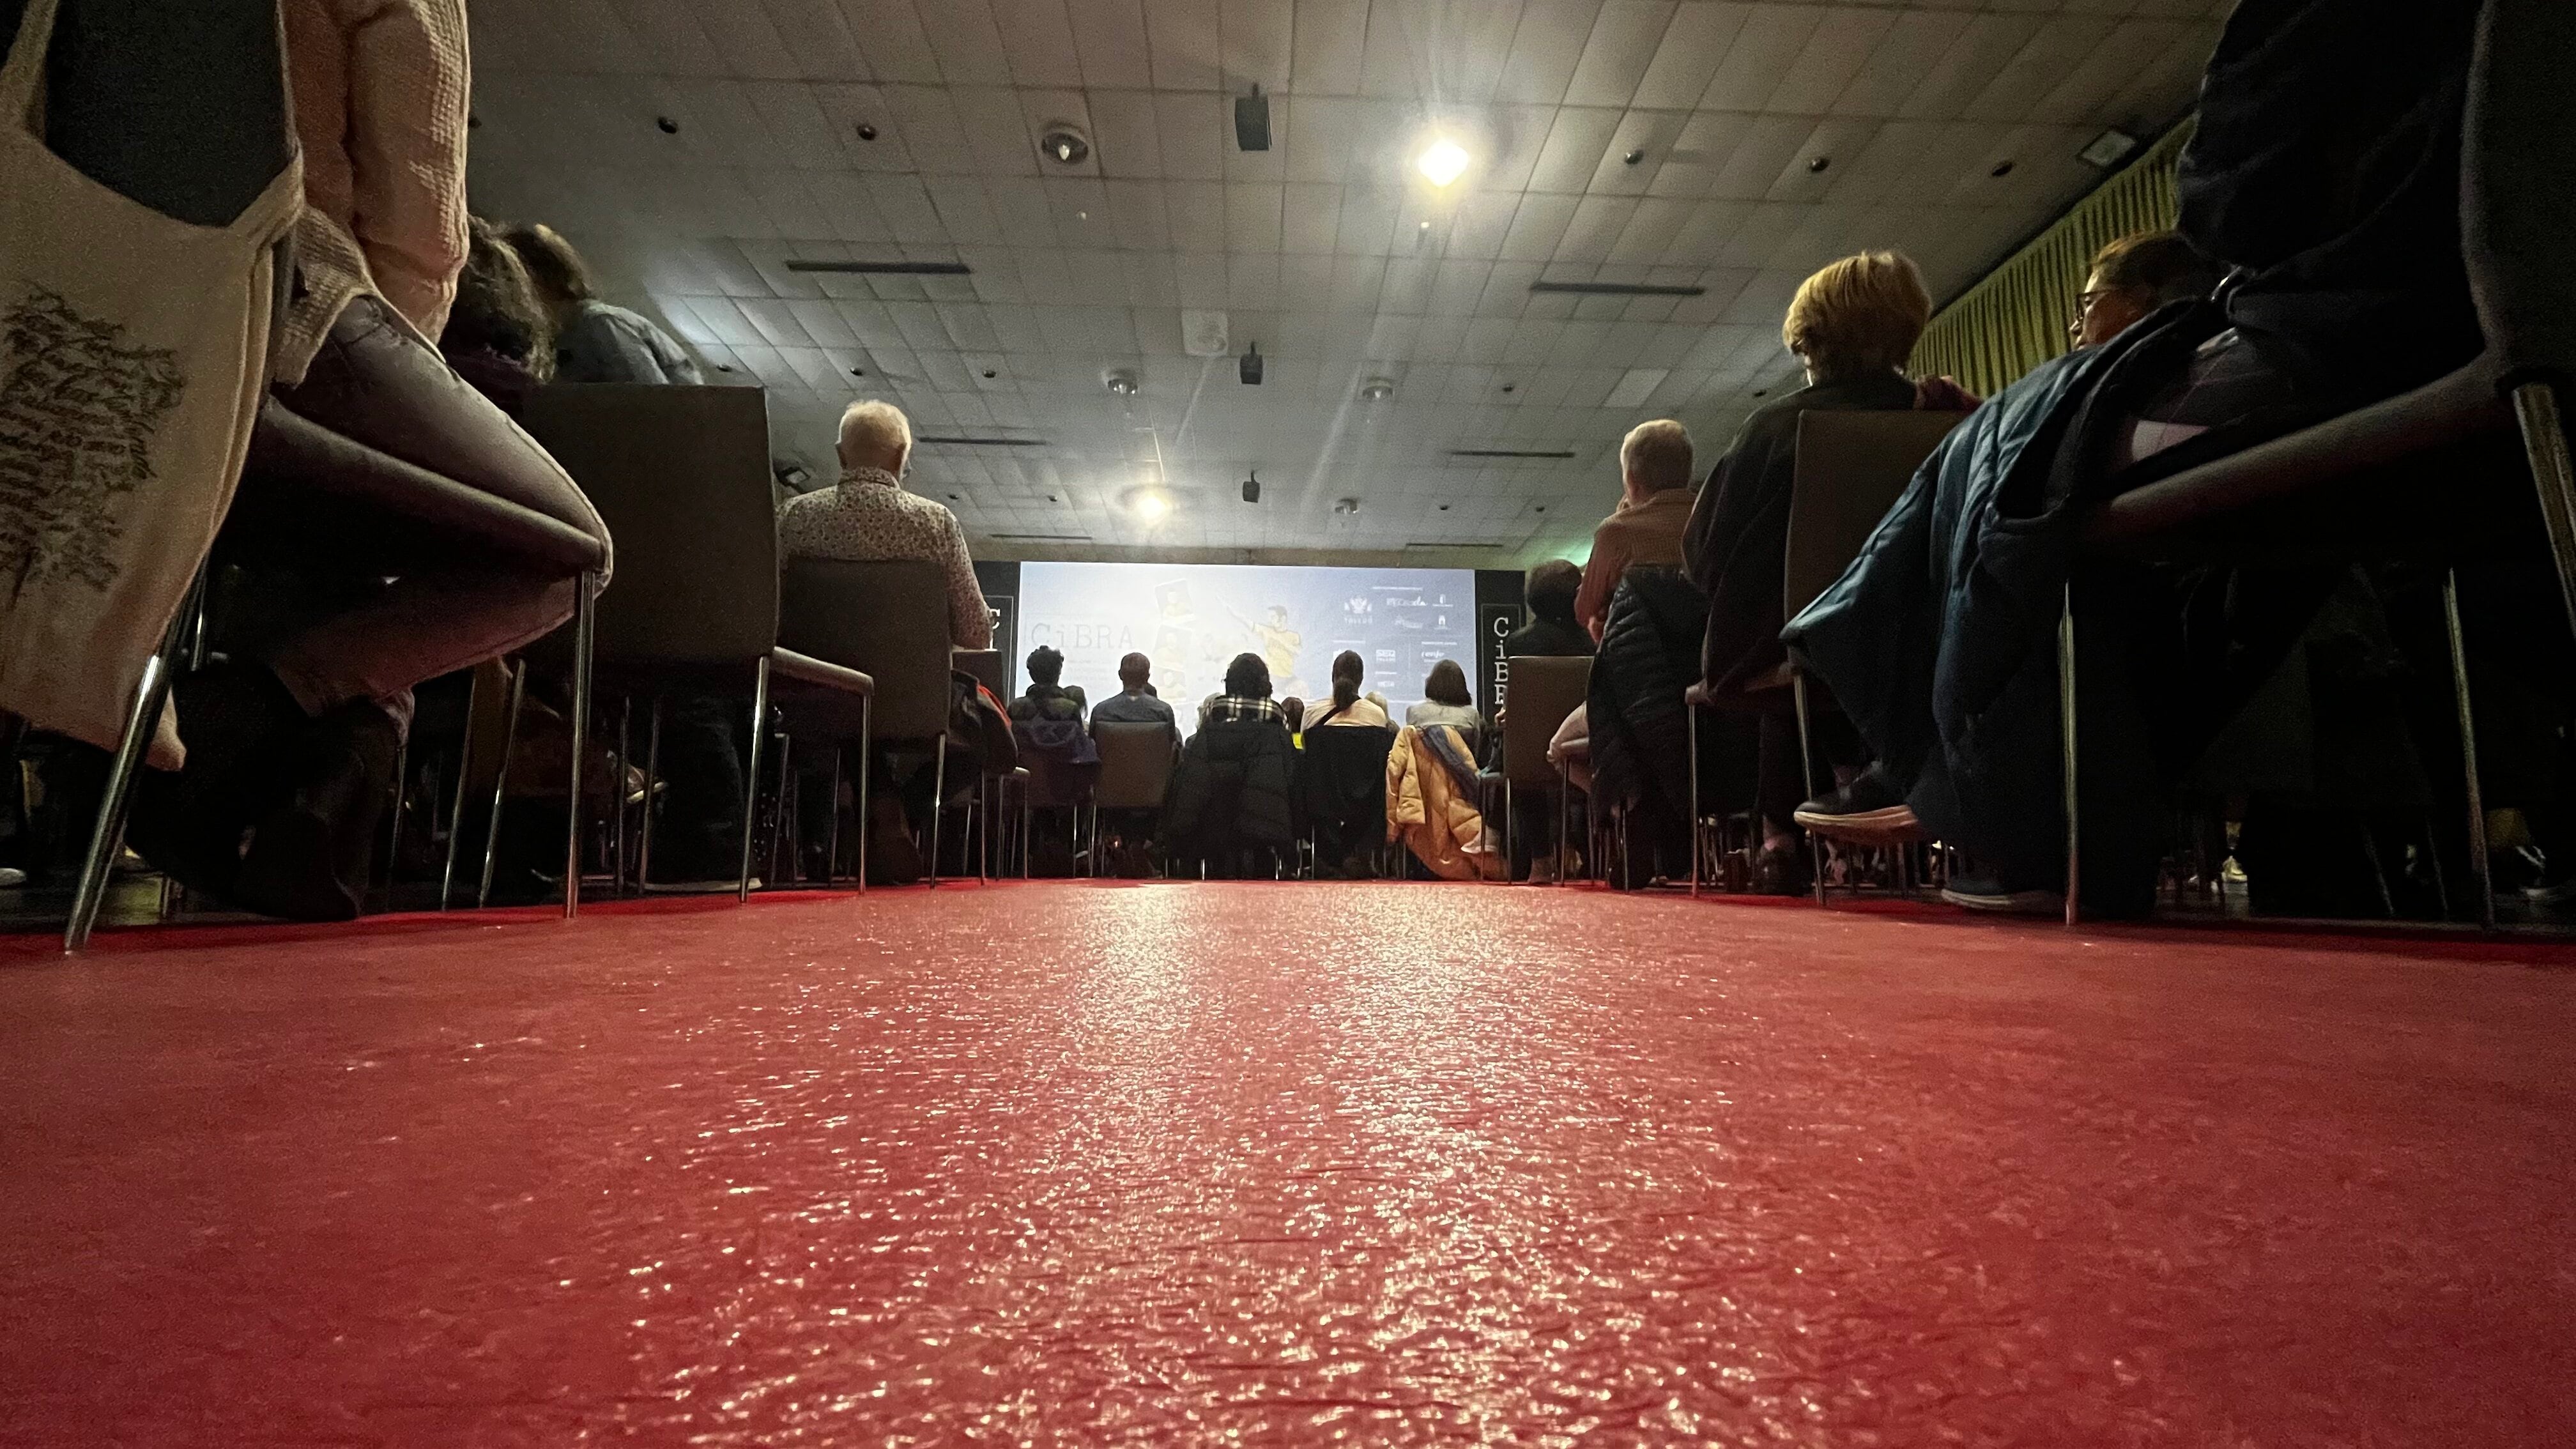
x,y
1737,545
1543,636
1232,789
1640,727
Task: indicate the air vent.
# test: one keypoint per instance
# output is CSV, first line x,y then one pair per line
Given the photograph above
x,y
1040,537
1511,452
900,269
961,440
1617,289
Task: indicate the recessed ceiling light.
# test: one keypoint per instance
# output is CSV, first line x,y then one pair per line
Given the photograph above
x,y
1819,163
1443,162
668,126
2002,168
2108,149
1153,506
1377,389
867,132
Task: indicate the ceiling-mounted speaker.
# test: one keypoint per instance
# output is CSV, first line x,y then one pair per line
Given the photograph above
x,y
1252,120
1248,367
1203,333
1252,488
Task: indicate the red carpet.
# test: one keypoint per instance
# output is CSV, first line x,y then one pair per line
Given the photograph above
x,y
1185,1164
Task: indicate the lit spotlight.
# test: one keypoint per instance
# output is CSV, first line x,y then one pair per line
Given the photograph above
x,y
1153,506
1443,162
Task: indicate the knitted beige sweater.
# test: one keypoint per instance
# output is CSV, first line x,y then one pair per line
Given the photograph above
x,y
381,89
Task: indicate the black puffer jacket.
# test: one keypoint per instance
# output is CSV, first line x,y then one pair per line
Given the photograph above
x,y
1232,790
1640,727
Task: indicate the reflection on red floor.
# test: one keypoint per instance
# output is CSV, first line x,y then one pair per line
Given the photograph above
x,y
1179,1164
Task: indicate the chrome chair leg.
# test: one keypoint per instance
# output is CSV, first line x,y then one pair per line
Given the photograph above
x,y
2469,751
867,767
107,833
751,771
584,615
456,812
501,781
832,819
2544,443
393,832
938,801
1807,771
617,837
1690,722
652,792
2066,734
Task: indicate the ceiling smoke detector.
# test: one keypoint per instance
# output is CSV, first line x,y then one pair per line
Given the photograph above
x,y
1065,145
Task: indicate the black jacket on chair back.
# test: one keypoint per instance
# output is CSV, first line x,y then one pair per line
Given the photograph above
x,y
1231,789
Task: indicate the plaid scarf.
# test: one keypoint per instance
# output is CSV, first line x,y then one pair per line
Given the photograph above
x,y
1237,709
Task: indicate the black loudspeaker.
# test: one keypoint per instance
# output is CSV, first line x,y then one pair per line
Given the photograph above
x,y
1252,121
1248,367
1252,489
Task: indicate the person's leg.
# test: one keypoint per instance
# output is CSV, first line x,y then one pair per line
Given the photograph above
x,y
698,836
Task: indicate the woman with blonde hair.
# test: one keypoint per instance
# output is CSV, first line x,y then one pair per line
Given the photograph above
x,y
1851,326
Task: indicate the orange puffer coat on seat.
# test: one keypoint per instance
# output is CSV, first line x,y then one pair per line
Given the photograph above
x,y
1432,810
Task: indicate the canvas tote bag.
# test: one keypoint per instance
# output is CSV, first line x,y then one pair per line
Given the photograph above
x,y
132,361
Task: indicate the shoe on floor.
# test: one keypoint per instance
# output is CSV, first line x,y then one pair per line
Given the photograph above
x,y
240,725
1780,869
2555,887
1869,808
311,854
1543,870
1984,893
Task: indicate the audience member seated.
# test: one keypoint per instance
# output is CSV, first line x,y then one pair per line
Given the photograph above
x,y
1349,706
1851,326
594,340
498,336
1447,702
292,740
1123,837
1045,698
1647,526
1433,797
1231,806
2132,277
868,517
2324,169
1549,593
1135,702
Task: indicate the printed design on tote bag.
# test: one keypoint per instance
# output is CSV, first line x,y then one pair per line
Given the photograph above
x,y
77,415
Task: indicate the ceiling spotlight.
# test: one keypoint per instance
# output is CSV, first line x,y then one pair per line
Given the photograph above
x,y
1377,389
1121,382
1153,506
2108,149
1443,163
1346,506
1064,145
1818,164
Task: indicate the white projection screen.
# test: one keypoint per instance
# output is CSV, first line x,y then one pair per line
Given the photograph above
x,y
1191,619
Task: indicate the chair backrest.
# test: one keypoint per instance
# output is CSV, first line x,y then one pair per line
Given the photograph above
x,y
887,620
681,477
1851,466
2516,173
1545,688
985,665
1135,763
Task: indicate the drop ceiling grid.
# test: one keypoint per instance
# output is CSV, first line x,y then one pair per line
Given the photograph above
x,y
1323,249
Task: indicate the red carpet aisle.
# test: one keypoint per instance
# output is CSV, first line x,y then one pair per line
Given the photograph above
x,y
1283,1165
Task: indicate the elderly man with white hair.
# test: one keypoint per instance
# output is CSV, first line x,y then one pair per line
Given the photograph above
x,y
870,518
